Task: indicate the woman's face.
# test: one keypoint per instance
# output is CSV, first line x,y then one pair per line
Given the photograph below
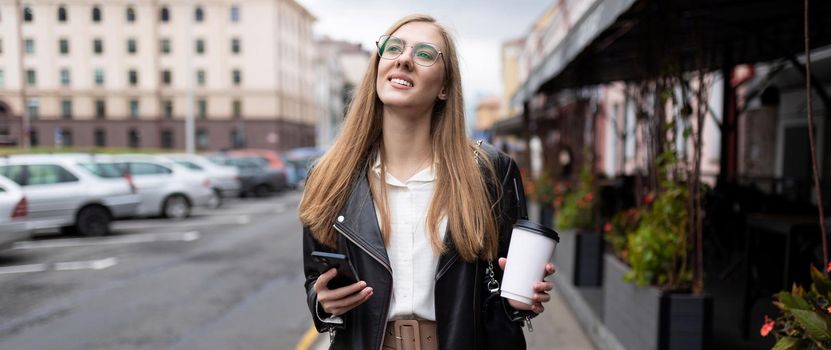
x,y
402,82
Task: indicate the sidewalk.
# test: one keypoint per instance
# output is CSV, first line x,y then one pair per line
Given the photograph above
x,y
555,329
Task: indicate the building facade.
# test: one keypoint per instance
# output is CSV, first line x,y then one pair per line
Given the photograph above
x,y
340,67
121,73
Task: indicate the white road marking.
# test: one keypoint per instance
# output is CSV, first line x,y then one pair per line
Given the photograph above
x,y
86,265
22,269
212,220
138,238
243,219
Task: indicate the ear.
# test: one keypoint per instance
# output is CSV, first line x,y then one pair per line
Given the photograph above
x,y
443,93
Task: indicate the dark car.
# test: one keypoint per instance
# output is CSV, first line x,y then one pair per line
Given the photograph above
x,y
254,175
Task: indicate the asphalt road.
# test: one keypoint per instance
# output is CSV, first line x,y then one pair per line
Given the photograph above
x,y
228,278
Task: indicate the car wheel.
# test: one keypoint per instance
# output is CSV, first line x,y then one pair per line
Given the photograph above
x,y
176,207
93,221
216,199
261,191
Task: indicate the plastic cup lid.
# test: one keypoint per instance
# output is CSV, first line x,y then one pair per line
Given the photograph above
x,y
538,229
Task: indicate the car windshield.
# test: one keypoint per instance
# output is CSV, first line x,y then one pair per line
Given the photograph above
x,y
103,170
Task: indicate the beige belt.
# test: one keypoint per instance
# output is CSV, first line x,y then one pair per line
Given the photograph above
x,y
410,335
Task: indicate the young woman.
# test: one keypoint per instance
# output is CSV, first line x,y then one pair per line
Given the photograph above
x,y
421,212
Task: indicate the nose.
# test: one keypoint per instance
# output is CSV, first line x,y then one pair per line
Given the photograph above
x,y
405,60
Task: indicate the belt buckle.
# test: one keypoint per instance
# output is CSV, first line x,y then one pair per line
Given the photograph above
x,y
407,335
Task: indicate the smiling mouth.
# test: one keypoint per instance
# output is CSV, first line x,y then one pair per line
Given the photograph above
x,y
401,82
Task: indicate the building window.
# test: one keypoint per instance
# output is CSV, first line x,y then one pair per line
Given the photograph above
x,y
2,78
100,137
132,75
134,138
30,46
28,14
63,46
236,109
198,14
61,14
66,109
165,46
96,14
33,107
65,77
1,46
33,137
164,14
235,13
237,76
100,109
131,46
236,45
134,109
131,15
237,138
167,109
200,77
64,137
201,138
31,77
202,108
98,46
99,77
200,46
167,139
166,77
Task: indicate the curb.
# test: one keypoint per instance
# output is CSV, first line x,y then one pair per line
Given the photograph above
x,y
592,325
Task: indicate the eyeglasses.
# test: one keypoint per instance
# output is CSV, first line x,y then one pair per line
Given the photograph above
x,y
423,54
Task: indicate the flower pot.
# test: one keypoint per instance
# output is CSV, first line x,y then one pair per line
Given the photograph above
x,y
579,256
646,318
546,215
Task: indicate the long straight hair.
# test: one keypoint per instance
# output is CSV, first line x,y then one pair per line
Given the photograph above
x,y
461,188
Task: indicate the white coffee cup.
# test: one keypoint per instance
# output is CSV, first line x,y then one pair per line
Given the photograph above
x,y
532,246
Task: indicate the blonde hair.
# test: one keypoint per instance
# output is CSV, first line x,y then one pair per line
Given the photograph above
x,y
461,188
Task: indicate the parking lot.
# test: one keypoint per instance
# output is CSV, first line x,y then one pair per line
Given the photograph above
x,y
221,279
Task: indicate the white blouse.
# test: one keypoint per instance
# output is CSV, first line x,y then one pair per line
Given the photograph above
x,y
413,261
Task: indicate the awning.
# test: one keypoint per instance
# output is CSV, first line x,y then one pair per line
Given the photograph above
x,y
509,126
629,40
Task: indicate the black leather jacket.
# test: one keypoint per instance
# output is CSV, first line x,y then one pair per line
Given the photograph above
x,y
460,290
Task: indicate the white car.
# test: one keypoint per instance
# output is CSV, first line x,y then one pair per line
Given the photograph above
x,y
13,212
167,189
225,180
72,192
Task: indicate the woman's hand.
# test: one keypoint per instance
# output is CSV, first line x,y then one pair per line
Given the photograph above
x,y
541,290
338,301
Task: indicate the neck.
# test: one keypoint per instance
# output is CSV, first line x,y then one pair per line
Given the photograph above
x,y
407,141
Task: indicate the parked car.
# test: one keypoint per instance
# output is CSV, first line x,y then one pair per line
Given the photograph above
x,y
225,181
274,164
167,189
255,177
13,212
300,161
75,193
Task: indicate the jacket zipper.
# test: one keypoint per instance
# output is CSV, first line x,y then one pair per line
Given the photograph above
x,y
385,265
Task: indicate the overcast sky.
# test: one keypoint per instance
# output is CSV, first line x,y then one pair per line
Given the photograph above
x,y
479,28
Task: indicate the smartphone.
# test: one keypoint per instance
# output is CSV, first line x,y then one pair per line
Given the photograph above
x,y
325,261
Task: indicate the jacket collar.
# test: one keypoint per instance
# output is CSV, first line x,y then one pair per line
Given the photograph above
x,y
361,223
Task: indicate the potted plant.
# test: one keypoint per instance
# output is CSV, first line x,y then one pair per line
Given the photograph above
x,y
580,252
648,299
543,195
805,322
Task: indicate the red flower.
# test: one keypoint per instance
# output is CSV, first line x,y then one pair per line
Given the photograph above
x,y
589,197
828,269
607,227
766,327
648,198
828,309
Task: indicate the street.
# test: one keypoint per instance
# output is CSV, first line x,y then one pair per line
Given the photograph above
x,y
228,278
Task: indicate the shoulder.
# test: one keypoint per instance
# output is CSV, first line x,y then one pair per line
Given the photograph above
x,y
502,163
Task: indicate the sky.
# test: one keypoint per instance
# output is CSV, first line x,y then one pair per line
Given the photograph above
x,y
479,28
